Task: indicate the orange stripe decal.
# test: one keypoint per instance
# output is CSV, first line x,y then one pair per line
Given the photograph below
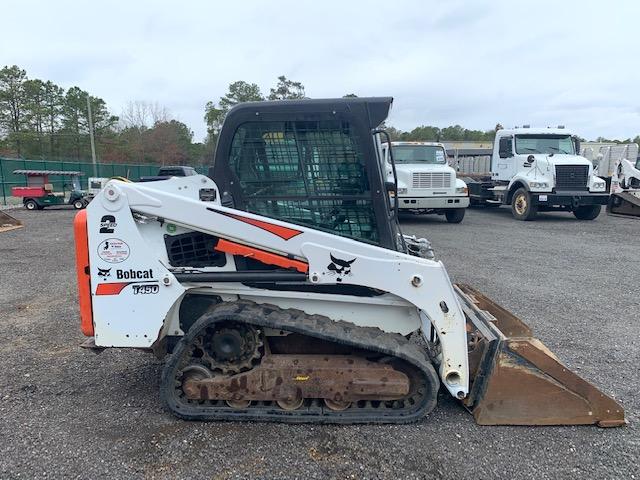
x,y
285,233
111,288
260,255
82,272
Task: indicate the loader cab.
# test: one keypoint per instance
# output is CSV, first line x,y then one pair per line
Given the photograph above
x,y
314,163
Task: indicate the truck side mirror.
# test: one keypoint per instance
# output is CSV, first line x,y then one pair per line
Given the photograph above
x,y
576,142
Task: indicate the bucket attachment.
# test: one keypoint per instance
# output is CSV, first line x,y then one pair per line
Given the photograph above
x,y
7,222
516,380
624,204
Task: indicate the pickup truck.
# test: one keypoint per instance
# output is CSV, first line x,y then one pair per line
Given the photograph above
x,y
168,172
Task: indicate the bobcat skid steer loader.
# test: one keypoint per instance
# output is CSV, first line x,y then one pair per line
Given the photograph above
x,y
624,200
285,290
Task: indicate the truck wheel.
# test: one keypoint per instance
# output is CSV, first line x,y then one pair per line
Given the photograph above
x,y
522,206
454,215
31,205
78,204
587,212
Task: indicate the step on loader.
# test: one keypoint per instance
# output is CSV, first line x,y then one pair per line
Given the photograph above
x,y
285,290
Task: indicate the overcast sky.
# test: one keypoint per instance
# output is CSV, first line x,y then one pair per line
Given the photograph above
x,y
472,63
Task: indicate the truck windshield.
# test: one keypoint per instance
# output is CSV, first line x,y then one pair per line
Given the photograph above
x,y
430,154
544,144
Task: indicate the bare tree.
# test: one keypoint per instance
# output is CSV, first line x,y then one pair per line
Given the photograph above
x,y
159,113
143,114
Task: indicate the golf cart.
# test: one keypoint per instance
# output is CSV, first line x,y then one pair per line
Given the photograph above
x,y
39,192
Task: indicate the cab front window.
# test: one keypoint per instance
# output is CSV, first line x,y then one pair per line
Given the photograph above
x,y
423,154
547,144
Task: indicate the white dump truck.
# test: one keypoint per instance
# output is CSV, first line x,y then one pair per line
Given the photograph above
x,y
539,170
426,183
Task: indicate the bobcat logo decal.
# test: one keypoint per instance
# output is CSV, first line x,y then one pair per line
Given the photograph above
x,y
104,272
340,267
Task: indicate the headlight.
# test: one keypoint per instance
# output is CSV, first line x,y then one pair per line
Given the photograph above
x,y
539,185
402,191
464,190
599,185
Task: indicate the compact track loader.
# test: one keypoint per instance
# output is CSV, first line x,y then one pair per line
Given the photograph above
x,y
285,291
624,200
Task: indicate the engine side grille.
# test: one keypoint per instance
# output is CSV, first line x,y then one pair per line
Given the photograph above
x,y
193,249
431,180
572,177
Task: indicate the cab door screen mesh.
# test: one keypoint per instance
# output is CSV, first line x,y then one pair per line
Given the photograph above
x,y
307,172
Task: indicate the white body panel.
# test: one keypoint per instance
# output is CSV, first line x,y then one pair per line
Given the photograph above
x,y
386,312
424,186
137,318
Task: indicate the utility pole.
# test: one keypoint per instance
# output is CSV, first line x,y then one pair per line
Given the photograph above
x,y
93,142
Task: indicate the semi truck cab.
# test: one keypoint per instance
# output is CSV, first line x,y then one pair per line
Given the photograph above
x,y
539,169
426,183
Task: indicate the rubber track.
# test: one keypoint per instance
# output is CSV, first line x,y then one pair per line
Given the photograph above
x,y
318,326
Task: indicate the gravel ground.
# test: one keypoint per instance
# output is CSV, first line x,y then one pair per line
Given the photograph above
x,y
68,413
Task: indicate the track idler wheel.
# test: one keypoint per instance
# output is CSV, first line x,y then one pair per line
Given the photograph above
x,y
239,404
290,403
337,405
192,374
